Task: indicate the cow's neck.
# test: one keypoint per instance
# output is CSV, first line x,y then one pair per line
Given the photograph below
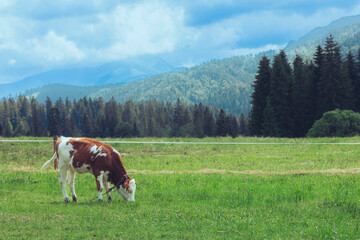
x,y
118,171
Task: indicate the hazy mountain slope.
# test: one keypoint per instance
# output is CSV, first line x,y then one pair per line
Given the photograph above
x,y
110,73
222,83
56,91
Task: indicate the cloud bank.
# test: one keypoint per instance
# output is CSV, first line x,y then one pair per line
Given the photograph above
x,y
41,35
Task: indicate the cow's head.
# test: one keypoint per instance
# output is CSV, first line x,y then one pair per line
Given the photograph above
x,y
127,190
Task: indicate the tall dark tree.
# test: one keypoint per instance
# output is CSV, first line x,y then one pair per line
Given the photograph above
x,y
330,81
234,127
314,85
349,81
357,85
54,117
243,125
36,125
112,117
222,127
199,118
259,96
299,107
209,123
269,127
280,94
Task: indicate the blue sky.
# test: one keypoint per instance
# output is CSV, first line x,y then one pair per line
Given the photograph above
x,y
39,35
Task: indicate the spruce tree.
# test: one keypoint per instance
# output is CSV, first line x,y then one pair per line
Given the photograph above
x,y
280,94
299,110
269,127
259,96
54,117
331,96
357,85
349,81
314,85
221,124
209,123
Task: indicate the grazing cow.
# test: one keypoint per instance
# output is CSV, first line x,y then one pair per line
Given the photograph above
x,y
83,155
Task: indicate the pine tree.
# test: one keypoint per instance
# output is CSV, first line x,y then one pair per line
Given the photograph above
x,y
234,127
243,126
54,117
280,94
330,80
270,127
349,81
221,124
86,126
259,96
314,85
112,117
209,123
199,118
299,108
357,85
36,125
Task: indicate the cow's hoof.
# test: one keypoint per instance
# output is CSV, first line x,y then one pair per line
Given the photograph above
x,y
74,199
109,198
66,200
100,200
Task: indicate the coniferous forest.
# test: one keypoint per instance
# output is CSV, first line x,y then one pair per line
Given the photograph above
x,y
288,98
96,118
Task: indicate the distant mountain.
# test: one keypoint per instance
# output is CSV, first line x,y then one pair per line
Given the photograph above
x,y
222,83
118,72
346,31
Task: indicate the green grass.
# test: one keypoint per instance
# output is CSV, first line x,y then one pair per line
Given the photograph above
x,y
174,201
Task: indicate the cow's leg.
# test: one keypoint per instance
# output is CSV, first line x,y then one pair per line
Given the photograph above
x,y
99,183
106,185
71,183
62,179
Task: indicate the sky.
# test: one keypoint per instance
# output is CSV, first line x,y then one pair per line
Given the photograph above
x,y
40,35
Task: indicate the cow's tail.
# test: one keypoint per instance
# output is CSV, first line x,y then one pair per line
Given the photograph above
x,y
55,138
48,162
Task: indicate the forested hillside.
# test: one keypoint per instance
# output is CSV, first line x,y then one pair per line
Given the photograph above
x,y
222,83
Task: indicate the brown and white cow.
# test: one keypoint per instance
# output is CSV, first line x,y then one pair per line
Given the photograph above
x,y
84,155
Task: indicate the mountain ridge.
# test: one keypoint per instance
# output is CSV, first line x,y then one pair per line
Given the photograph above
x,y
117,72
222,83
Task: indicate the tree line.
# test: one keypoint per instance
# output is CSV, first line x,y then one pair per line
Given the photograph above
x,y
96,118
288,99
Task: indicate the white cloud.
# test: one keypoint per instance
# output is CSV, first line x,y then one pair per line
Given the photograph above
x,y
55,49
12,62
60,33
147,28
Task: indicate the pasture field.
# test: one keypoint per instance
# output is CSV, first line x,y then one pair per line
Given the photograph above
x,y
254,190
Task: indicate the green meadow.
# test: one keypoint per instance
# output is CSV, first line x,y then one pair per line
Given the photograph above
x,y
295,189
